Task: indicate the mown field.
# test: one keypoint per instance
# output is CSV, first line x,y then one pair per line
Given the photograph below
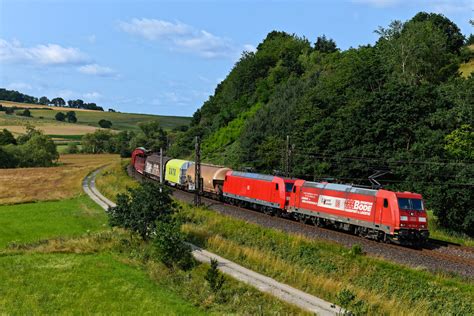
x,y
322,268
59,256
45,184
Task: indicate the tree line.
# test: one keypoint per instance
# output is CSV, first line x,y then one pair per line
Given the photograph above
x,y
33,149
15,96
399,106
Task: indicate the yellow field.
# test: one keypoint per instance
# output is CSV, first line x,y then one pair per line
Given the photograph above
x,y
38,106
53,129
41,184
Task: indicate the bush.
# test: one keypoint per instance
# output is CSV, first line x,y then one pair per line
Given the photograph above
x,y
9,111
60,116
72,148
141,208
170,246
25,113
71,117
6,137
105,123
214,277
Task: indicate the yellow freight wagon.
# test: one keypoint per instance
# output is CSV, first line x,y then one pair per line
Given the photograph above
x,y
176,171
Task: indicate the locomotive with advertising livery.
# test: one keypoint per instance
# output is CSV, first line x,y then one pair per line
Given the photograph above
x,y
383,215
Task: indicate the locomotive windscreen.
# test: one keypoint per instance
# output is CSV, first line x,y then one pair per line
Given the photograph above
x,y
410,204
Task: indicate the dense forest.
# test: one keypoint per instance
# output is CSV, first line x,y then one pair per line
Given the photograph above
x,y
399,105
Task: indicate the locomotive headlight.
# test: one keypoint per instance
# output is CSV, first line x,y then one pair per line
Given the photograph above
x,y
403,218
422,219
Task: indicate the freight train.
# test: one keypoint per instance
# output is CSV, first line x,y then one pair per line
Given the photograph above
x,y
383,215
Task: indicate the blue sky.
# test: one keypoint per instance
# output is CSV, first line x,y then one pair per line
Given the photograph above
x,y
166,57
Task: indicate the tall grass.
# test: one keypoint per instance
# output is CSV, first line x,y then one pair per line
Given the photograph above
x,y
325,269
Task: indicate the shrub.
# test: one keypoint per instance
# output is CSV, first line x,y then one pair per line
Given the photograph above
x,y
170,246
60,116
214,278
72,148
71,117
9,111
105,123
6,137
25,113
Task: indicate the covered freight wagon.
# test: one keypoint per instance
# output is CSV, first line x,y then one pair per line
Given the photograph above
x,y
259,191
176,172
152,166
212,178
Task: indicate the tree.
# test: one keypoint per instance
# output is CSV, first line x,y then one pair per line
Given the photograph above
x,y
105,123
30,132
44,100
38,151
98,142
60,116
6,138
58,102
7,157
71,117
141,208
72,148
325,45
454,39
9,110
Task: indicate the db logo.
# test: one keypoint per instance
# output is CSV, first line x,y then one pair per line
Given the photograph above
x,y
363,206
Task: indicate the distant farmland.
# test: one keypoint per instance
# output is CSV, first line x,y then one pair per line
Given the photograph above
x,y
120,121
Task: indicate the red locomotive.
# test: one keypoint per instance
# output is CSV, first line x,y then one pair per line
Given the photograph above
x,y
258,191
382,215
378,214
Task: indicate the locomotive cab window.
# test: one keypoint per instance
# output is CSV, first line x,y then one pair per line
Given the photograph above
x,y
385,203
288,187
410,204
276,186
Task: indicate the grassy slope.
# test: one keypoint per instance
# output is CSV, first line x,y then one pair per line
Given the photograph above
x,y
120,121
32,222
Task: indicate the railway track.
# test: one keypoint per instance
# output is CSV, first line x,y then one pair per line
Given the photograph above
x,y
263,283
436,256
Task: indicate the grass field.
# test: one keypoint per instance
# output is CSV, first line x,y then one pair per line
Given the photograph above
x,y
120,121
82,284
32,222
41,184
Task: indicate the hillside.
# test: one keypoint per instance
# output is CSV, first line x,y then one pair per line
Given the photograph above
x,y
44,115
399,105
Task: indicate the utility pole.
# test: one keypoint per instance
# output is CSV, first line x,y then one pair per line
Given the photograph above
x,y
197,173
161,166
287,158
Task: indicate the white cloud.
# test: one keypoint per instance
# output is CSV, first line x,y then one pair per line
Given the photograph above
x,y
183,37
97,70
153,29
250,48
92,96
49,54
379,3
